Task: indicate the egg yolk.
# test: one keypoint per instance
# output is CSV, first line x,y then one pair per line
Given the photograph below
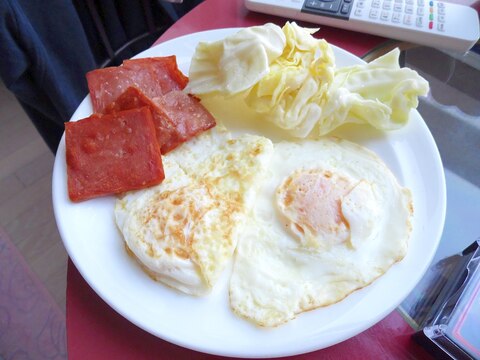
x,y
311,202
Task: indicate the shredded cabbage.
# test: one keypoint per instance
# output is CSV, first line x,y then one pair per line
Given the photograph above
x,y
292,93
289,78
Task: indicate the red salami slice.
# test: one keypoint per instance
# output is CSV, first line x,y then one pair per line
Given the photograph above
x,y
133,98
186,113
110,154
165,69
153,76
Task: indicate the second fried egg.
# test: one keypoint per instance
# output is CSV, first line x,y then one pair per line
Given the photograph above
x,y
329,218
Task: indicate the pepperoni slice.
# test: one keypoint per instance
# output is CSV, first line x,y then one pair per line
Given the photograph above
x,y
186,113
133,98
153,76
161,66
177,116
110,154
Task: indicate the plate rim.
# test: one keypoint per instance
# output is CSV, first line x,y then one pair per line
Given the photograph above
x,y
205,349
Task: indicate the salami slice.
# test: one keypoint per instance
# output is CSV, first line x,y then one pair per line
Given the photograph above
x,y
186,113
110,154
165,69
153,76
132,98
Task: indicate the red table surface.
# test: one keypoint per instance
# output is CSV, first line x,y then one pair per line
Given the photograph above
x,y
96,331
217,14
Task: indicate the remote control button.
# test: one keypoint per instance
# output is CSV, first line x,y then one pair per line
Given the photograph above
x,y
325,6
375,4
398,1
373,14
358,12
385,15
409,2
430,17
419,21
420,11
441,18
407,20
347,1
396,17
430,25
332,7
409,9
420,2
398,7
345,9
312,3
441,27
387,5
360,4
441,11
441,5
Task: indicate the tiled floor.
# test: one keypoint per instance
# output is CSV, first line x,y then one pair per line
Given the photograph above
x,y
26,212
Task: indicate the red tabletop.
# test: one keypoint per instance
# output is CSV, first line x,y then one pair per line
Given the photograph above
x,y
217,14
95,331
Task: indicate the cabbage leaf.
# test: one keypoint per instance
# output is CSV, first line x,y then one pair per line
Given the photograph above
x,y
379,93
289,78
235,63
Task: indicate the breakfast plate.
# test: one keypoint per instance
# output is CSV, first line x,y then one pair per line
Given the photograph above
x,y
207,324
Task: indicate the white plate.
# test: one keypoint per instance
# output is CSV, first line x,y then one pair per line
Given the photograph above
x,y
207,324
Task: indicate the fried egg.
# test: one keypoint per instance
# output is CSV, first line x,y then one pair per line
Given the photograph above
x,y
329,219
184,231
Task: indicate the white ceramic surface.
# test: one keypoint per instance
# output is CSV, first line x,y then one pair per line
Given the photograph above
x,y
207,324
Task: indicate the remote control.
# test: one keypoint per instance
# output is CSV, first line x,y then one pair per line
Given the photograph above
x,y
425,22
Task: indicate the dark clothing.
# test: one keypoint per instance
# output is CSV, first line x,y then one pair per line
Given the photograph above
x,y
47,47
44,57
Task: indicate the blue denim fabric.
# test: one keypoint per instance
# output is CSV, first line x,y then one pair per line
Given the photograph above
x,y
44,58
47,47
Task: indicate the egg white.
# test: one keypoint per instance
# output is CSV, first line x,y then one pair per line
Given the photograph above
x,y
184,231
278,274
